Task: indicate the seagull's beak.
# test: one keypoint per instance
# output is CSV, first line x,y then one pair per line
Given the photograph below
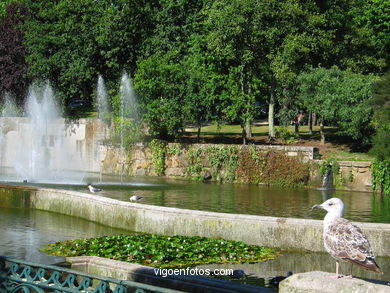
x,y
316,206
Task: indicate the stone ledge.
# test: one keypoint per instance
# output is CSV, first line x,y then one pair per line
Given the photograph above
x,y
319,282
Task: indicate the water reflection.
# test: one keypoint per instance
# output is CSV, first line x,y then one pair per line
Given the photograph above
x,y
25,231
244,198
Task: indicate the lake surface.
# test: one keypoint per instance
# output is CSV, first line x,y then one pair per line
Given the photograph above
x,y
25,231
243,198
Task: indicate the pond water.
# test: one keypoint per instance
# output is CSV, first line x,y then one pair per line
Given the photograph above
x,y
24,231
243,198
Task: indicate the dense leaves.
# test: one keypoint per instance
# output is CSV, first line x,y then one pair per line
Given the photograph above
x,y
197,61
13,67
339,98
163,251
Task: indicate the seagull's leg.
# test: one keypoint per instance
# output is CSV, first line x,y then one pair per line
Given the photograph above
x,y
337,276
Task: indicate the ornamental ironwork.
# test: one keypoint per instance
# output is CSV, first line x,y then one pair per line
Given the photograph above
x,y
18,276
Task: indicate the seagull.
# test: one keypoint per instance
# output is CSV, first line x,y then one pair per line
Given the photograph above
x,y
135,197
93,189
345,241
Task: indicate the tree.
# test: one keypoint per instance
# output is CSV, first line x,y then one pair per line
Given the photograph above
x,y
160,85
380,102
242,51
339,98
200,82
13,67
71,42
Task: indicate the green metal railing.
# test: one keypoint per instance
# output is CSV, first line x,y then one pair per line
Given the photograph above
x,y
26,277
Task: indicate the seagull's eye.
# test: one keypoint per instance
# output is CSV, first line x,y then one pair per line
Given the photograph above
x,y
331,203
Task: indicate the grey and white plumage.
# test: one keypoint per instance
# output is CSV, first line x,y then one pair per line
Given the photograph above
x,y
135,197
345,241
93,189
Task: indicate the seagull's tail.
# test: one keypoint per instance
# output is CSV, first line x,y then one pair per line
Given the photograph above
x,y
369,264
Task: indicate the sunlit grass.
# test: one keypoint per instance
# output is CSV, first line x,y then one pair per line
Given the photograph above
x,y
345,155
236,129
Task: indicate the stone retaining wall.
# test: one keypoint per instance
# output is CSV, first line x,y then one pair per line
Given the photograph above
x,y
138,162
283,233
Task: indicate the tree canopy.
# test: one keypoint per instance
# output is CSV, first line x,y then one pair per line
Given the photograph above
x,y
197,61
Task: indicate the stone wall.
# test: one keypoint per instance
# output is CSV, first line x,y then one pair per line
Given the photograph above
x,y
283,233
139,162
352,176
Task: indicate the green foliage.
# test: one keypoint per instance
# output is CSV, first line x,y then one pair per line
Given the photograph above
x,y
381,176
285,135
159,82
163,251
223,162
339,98
13,52
331,165
380,101
158,149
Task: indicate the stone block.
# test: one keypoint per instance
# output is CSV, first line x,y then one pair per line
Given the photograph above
x,y
320,282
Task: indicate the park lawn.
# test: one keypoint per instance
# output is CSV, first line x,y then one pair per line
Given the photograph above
x,y
336,147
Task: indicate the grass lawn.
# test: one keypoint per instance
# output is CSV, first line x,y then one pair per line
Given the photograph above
x,y
337,147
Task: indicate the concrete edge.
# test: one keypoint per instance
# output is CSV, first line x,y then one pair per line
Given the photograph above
x,y
320,282
281,233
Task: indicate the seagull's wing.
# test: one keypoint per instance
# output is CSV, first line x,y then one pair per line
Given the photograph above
x,y
347,241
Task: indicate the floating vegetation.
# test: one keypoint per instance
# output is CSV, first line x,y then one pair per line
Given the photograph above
x,y
163,251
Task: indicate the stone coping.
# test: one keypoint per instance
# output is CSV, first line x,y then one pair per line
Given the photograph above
x,y
277,232
320,282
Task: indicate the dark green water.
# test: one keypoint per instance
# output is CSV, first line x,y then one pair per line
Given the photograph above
x,y
24,231
244,199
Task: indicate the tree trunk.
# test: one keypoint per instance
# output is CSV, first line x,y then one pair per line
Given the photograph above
x,y
310,122
198,134
322,133
271,108
248,128
244,134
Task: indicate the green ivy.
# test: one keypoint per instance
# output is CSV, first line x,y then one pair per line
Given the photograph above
x,y
381,176
174,149
332,165
163,251
223,162
195,166
158,149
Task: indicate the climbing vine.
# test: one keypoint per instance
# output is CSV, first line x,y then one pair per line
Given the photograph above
x,y
158,149
381,176
331,165
234,163
222,160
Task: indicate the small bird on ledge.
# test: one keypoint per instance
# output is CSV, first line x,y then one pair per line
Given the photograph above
x,y
135,197
93,189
